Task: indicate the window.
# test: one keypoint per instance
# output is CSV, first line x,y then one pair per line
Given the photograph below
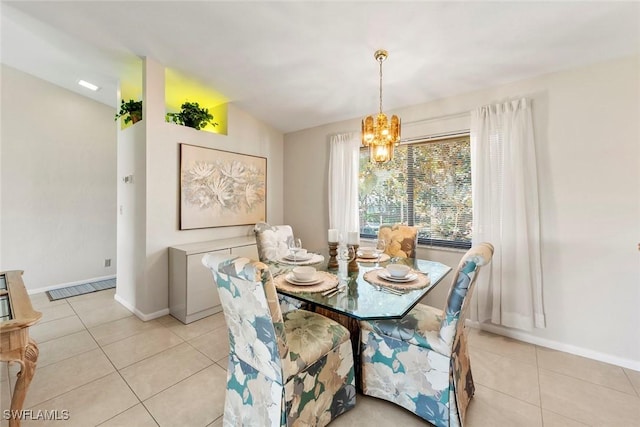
x,y
427,184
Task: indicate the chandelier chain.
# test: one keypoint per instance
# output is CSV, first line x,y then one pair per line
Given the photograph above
x,y
380,61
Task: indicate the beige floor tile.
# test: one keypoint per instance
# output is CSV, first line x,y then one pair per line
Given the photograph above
x,y
137,416
137,347
370,411
197,328
223,362
110,332
551,419
167,319
214,344
58,378
57,311
64,347
90,404
95,313
491,408
5,401
217,422
154,374
43,332
634,377
196,401
510,376
585,369
503,346
586,402
41,300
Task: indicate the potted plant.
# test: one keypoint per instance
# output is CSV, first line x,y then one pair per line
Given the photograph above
x,y
192,115
130,110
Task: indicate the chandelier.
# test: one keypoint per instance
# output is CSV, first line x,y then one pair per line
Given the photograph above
x,y
380,134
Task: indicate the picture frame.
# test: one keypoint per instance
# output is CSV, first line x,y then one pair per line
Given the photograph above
x,y
221,188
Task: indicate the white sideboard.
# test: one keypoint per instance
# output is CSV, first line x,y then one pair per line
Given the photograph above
x,y
192,292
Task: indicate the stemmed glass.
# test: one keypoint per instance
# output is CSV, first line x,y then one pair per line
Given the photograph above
x,y
346,254
380,247
295,244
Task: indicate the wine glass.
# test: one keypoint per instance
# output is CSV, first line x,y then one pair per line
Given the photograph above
x,y
380,247
295,244
346,254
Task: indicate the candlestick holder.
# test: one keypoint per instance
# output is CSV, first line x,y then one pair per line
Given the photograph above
x,y
353,264
333,252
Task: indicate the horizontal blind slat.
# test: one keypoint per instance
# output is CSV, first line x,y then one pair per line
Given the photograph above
x,y
428,184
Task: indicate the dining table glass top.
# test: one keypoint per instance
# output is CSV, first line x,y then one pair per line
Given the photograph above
x,y
363,300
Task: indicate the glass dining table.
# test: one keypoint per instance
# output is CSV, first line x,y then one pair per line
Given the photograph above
x,y
361,300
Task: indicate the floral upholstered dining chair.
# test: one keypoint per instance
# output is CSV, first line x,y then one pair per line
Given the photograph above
x,y
401,240
273,244
294,369
272,240
421,362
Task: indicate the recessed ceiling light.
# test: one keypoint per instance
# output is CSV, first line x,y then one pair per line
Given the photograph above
x,y
88,85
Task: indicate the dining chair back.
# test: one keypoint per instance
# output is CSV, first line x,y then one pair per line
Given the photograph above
x,y
401,239
272,240
421,361
285,369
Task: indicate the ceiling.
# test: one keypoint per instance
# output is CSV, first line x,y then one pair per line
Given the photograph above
x,y
300,64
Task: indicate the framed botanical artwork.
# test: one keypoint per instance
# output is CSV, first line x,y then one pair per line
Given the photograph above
x,y
220,188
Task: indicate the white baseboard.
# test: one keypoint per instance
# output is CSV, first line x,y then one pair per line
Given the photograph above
x,y
556,345
65,285
142,316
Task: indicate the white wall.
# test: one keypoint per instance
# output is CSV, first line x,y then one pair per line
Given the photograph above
x,y
58,197
245,135
587,132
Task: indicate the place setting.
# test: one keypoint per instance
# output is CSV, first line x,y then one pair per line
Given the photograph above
x,y
306,279
373,253
369,254
398,276
297,255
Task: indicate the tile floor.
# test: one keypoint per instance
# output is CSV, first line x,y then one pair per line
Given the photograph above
x,y
108,368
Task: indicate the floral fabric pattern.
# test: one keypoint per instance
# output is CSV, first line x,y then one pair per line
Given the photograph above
x,y
421,361
272,243
401,240
272,240
284,370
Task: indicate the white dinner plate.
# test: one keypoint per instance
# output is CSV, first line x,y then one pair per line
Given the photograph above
x,y
367,256
384,274
305,257
292,279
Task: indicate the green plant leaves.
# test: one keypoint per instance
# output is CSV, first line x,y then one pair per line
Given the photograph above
x,y
130,110
192,115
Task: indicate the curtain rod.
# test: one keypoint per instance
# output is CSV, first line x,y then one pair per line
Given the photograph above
x,y
442,117
444,135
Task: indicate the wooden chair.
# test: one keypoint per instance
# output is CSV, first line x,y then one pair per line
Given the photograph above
x,y
283,370
421,362
401,240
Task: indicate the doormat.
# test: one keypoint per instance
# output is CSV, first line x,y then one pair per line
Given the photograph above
x,y
85,288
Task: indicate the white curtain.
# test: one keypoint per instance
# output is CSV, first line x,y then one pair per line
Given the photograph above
x,y
505,213
344,164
